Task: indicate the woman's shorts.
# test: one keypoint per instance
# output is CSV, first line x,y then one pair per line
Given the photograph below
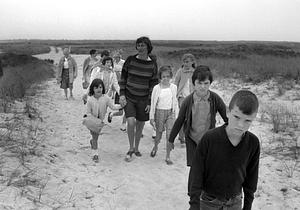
x,y
136,109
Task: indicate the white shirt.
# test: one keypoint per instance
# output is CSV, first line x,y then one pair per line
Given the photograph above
x,y
66,63
165,99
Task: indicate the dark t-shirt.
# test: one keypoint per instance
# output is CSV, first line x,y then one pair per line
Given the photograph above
x,y
223,170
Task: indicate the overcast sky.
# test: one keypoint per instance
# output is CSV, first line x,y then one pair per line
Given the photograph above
x,y
268,20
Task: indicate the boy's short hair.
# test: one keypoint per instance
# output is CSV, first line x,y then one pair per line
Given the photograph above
x,y
92,52
245,100
190,56
202,73
95,83
145,40
165,68
108,59
104,53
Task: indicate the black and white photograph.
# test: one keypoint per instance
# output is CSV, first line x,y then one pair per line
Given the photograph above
x,y
150,105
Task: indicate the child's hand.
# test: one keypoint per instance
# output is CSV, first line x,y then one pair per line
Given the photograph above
x,y
170,146
152,122
122,101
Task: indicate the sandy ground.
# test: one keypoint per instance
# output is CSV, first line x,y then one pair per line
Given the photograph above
x,y
74,181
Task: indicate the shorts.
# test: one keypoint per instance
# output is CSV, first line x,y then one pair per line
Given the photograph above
x,y
65,80
136,109
164,119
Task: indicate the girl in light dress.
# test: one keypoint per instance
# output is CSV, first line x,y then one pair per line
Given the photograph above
x,y
97,104
164,109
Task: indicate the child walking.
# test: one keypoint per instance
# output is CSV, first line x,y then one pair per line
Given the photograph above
x,y
107,75
97,105
184,84
164,109
197,113
226,160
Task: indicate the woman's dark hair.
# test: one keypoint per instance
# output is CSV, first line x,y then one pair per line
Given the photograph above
x,y
96,83
108,59
202,73
165,68
104,53
145,40
92,52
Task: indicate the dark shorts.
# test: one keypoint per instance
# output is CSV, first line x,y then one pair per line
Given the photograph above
x,y
65,80
136,109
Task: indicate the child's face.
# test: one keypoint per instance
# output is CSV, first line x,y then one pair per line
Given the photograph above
x,y
108,64
98,91
202,87
165,78
187,63
238,122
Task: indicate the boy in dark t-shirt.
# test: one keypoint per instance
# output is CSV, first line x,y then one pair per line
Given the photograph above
x,y
226,160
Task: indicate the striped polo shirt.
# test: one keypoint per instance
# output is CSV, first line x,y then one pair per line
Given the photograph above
x,y
138,78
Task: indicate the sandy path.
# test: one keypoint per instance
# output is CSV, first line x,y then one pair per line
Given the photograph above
x,y
145,183
75,182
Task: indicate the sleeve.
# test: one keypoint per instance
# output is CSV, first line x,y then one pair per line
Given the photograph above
x,y
75,67
197,173
153,105
222,109
179,121
177,77
124,75
153,81
250,183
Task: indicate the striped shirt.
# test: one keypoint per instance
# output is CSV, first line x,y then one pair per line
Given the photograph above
x,y
138,78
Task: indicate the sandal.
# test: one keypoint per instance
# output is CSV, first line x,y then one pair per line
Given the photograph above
x,y
128,157
96,158
169,162
137,153
153,153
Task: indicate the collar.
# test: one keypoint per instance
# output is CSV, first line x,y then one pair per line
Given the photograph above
x,y
204,98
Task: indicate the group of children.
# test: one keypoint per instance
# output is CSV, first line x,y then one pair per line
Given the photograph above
x,y
223,160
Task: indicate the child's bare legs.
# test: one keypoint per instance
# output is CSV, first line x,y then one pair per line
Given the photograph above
x,y
156,142
169,125
94,146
